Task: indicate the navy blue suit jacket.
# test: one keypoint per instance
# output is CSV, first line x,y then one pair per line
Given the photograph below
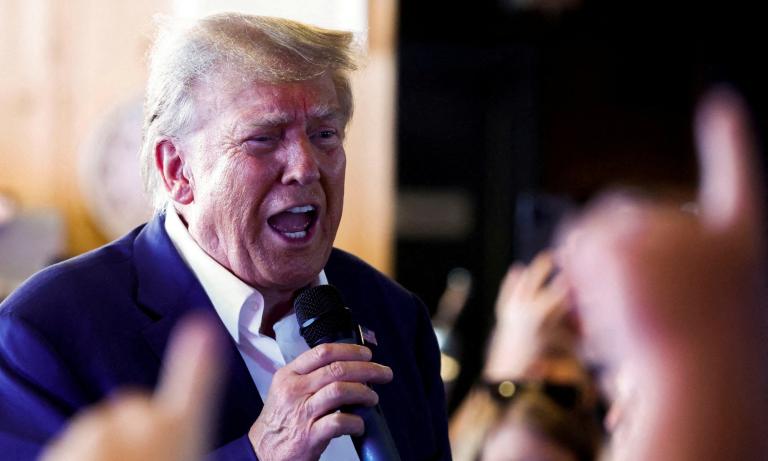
x,y
77,331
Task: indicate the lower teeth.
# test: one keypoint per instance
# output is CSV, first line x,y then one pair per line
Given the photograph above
x,y
296,235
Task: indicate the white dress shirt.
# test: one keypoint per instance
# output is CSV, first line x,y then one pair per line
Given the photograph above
x,y
240,308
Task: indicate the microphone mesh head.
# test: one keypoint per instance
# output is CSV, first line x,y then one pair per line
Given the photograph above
x,y
322,315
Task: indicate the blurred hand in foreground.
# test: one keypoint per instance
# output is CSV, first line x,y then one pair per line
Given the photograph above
x,y
676,299
171,425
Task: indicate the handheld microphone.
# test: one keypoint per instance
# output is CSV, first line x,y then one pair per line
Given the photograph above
x,y
323,318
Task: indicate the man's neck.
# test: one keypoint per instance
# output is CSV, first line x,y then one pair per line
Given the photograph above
x,y
274,311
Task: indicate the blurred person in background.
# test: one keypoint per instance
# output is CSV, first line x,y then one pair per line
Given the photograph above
x,y
538,425
535,398
243,154
671,302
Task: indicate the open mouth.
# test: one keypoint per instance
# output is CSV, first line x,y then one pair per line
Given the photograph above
x,y
294,223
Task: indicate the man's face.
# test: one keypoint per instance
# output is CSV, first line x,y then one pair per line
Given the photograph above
x,y
266,169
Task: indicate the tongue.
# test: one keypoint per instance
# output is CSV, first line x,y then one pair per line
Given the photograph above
x,y
290,222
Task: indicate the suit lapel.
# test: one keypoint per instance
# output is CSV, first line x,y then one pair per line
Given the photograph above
x,y
167,290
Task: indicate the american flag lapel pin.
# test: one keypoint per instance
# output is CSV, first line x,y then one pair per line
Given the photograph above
x,y
368,336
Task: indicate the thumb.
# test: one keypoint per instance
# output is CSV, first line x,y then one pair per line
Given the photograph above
x,y
730,191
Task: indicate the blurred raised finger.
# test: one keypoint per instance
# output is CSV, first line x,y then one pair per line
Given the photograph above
x,y
192,369
537,274
730,191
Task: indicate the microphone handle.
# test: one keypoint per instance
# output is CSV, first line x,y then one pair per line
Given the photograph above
x,y
376,443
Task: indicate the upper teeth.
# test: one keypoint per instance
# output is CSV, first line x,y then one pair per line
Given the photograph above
x,y
301,209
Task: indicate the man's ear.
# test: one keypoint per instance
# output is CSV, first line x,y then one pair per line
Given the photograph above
x,y
173,168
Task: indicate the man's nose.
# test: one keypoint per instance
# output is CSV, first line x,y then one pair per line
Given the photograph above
x,y
302,163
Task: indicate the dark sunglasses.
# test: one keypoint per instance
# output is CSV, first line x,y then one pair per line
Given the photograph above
x,y
567,396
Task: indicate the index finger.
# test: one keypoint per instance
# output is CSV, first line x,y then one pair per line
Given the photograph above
x,y
730,190
324,354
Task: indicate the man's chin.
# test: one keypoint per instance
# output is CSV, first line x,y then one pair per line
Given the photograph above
x,y
295,268
294,279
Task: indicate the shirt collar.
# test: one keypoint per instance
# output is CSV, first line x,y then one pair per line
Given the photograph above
x,y
227,293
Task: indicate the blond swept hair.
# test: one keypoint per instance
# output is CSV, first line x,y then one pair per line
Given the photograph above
x,y
257,48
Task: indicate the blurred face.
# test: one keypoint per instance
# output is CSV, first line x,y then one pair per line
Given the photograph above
x,y
513,442
265,166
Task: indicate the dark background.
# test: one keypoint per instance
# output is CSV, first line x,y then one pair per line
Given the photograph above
x,y
529,114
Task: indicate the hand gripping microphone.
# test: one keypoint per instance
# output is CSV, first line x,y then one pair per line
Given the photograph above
x,y
323,318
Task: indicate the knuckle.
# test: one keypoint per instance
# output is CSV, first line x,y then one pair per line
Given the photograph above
x,y
281,372
336,390
292,387
322,352
336,370
281,375
285,389
307,411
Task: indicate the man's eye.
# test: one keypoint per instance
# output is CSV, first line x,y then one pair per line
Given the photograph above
x,y
260,144
262,139
326,137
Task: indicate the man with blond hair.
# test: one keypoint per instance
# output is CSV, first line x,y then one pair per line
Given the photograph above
x,y
243,156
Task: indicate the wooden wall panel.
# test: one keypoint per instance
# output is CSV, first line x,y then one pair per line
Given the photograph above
x,y
367,227
66,64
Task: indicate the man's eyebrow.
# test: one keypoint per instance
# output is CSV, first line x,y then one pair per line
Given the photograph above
x,y
325,112
270,119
